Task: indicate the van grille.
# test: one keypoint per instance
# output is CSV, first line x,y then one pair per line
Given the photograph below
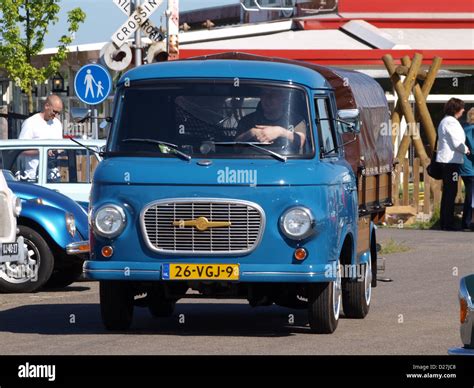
x,y
242,236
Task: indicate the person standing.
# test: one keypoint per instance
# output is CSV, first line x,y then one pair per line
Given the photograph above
x,y
451,151
42,125
467,172
45,124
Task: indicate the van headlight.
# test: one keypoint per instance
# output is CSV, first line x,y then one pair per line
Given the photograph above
x,y
71,224
109,221
16,206
297,223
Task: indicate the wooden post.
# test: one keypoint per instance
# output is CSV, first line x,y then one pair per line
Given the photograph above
x,y
459,195
410,79
406,178
436,198
431,76
426,192
406,109
416,183
396,186
422,108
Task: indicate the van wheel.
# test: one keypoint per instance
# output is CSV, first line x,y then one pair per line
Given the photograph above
x,y
116,304
357,294
162,309
32,275
374,255
158,305
324,305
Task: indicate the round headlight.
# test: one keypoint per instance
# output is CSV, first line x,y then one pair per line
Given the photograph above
x,y
109,221
16,206
297,223
71,224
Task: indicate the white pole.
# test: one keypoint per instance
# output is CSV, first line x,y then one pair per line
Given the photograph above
x,y
138,41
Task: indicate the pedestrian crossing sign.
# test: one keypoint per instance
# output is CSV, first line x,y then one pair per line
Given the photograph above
x,y
92,84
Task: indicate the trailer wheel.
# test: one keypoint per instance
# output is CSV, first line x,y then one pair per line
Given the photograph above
x,y
324,305
356,295
116,304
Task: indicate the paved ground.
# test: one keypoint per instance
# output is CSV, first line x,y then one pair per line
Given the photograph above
x,y
417,313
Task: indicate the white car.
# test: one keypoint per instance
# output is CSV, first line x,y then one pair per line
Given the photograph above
x,y
60,165
11,247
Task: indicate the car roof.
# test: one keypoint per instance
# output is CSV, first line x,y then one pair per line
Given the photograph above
x,y
228,69
50,142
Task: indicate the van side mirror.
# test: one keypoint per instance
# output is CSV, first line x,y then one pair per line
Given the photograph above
x,y
79,115
349,120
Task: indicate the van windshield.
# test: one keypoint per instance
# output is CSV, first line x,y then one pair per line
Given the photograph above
x,y
212,119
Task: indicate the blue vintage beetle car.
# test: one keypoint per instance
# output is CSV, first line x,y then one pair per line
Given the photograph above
x,y
49,221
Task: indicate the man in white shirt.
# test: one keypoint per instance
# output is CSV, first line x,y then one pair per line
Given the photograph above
x,y
43,125
450,153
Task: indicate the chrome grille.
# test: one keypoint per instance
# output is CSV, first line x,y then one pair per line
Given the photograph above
x,y
246,218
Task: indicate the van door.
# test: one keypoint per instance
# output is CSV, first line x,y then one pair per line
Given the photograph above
x,y
343,194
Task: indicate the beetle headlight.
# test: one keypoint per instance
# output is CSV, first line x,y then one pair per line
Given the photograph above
x,y
71,224
16,206
109,221
297,223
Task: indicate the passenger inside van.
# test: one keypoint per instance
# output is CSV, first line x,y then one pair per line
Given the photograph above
x,y
272,123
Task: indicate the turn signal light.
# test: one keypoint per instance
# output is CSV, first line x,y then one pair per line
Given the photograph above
x,y
107,251
463,305
301,254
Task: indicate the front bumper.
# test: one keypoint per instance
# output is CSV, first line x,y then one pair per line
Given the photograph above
x,y
78,248
140,271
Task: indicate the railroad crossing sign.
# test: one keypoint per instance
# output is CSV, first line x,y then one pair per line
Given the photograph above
x,y
92,84
138,19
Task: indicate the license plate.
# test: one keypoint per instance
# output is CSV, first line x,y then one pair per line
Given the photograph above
x,y
200,272
9,249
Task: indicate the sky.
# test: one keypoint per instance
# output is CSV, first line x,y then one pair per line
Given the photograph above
x,y
104,18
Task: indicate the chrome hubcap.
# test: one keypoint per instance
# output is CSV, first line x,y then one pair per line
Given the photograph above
x,y
21,273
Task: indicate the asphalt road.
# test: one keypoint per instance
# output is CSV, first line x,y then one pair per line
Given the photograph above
x,y
416,313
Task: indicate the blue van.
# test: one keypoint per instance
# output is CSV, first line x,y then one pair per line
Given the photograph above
x,y
238,176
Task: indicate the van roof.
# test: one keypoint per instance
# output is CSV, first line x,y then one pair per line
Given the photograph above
x,y
228,69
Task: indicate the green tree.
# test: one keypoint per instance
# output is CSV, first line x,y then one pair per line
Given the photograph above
x,y
23,26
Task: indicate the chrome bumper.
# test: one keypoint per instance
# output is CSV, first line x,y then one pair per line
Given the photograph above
x,y
78,248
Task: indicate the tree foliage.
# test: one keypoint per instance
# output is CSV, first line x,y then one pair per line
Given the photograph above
x,y
23,27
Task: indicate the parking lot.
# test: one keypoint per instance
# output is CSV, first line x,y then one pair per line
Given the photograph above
x,y
416,313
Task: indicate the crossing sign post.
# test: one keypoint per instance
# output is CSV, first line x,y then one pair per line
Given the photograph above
x,y
148,27
138,19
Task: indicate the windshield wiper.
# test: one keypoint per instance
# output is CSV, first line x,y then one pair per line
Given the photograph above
x,y
256,145
173,147
100,153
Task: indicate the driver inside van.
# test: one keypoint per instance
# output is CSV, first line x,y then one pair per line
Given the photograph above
x,y
272,122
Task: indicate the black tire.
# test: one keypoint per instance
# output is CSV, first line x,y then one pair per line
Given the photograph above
x,y
158,305
116,304
39,252
357,294
323,313
65,276
373,254
162,309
